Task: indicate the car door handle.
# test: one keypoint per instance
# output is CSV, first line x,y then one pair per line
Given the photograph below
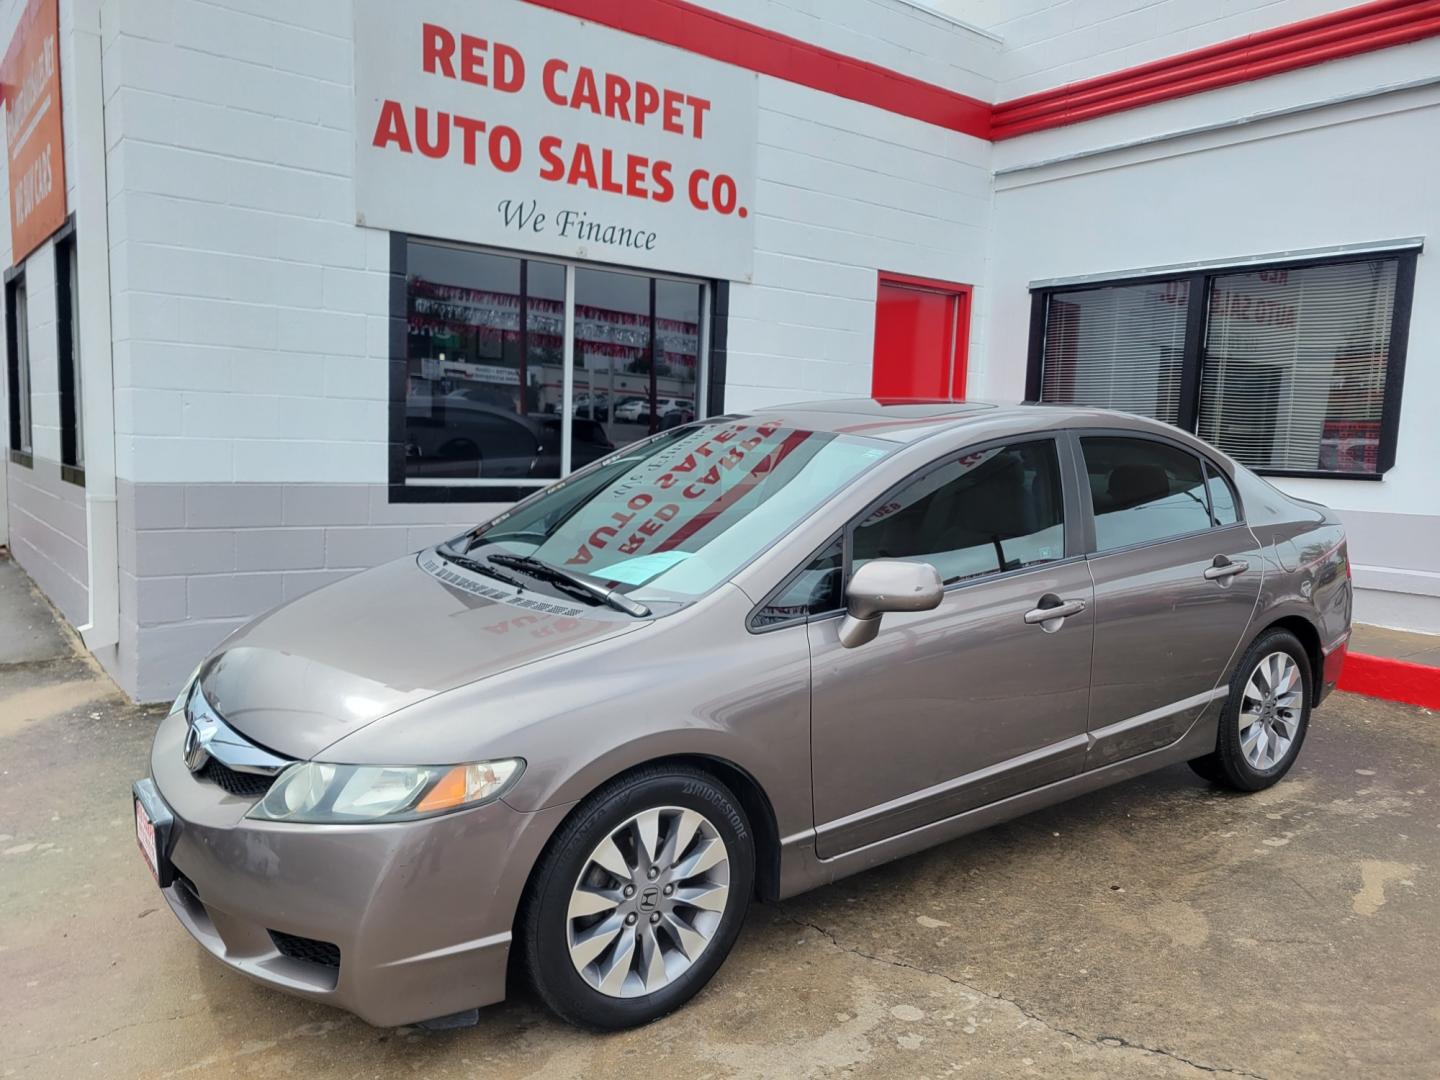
x,y
1226,569
1040,616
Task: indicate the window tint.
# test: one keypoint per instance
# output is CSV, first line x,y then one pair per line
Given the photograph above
x,y
1289,370
1143,491
1223,509
813,591
1293,375
18,334
1117,347
997,509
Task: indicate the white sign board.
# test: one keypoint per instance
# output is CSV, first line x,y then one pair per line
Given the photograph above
x,y
507,124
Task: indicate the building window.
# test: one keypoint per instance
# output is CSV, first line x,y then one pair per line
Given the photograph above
x,y
1293,370
67,340
499,347
17,352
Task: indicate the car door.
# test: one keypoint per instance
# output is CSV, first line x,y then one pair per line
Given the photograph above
x,y
980,698
1177,576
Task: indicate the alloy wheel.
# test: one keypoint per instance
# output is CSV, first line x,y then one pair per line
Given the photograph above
x,y
648,901
1270,710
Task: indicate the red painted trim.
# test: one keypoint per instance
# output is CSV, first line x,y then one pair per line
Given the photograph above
x,y
1393,680
1381,24
952,288
719,37
1378,25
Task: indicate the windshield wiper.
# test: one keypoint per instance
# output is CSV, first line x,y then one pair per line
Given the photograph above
x,y
576,582
479,567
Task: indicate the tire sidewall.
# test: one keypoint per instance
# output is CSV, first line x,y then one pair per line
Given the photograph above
x,y
1232,759
546,922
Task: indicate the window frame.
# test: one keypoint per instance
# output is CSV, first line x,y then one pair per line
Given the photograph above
x,y
1073,501
1196,324
1082,481
67,357
709,382
16,438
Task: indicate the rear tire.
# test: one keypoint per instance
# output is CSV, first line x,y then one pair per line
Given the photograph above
x,y
1265,718
638,898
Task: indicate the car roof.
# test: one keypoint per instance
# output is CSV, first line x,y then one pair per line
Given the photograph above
x,y
909,420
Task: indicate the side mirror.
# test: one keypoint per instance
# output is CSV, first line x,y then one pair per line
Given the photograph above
x,y
887,585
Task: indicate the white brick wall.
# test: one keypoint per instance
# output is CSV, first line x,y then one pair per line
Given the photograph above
x,y
249,310
845,190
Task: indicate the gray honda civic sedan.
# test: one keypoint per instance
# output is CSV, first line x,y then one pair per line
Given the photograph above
x,y
737,660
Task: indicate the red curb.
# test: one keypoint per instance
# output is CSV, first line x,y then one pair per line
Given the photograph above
x,y
1393,680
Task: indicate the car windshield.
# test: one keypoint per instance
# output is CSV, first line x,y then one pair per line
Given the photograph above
x,y
673,516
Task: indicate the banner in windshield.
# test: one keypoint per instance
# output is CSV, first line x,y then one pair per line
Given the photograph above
x,y
675,500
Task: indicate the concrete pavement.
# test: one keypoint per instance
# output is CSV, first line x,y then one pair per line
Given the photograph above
x,y
1158,929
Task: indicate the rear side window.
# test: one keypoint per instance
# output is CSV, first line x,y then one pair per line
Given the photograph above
x,y
983,513
814,590
1223,508
1143,491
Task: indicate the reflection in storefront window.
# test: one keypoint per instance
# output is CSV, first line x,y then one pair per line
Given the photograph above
x,y
486,363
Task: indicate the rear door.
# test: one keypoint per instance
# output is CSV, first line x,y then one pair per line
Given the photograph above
x,y
1177,577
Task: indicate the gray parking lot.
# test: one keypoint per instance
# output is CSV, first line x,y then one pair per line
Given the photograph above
x,y
1158,928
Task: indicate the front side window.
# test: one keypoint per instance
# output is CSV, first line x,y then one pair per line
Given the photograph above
x,y
1289,369
674,516
814,590
1143,491
487,340
985,512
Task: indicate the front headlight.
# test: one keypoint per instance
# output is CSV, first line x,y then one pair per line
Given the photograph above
x,y
319,793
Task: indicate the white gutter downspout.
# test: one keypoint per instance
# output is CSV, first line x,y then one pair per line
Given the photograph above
x,y
92,233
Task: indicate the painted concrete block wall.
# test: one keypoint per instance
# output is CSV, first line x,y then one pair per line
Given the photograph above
x,y
1352,173
845,191
1049,43
43,514
250,313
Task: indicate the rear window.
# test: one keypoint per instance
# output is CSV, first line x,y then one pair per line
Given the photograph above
x,y
1143,491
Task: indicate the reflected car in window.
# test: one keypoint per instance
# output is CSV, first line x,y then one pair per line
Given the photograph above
x,y
462,436
742,657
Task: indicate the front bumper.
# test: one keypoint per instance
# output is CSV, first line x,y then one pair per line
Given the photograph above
x,y
421,911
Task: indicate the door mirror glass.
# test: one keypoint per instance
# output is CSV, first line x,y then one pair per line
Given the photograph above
x,y
887,585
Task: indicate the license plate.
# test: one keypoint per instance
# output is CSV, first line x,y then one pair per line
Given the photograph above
x,y
145,837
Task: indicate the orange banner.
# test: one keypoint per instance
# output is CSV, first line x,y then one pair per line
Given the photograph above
x,y
30,75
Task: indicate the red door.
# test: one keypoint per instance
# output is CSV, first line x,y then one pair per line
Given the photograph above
x,y
921,331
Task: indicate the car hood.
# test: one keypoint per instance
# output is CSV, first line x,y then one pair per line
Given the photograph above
x,y
325,665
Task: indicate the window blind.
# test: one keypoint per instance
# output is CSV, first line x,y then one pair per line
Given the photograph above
x,y
1294,363
1117,347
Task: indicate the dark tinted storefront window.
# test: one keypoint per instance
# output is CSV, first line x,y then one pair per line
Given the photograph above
x,y
485,364
1290,369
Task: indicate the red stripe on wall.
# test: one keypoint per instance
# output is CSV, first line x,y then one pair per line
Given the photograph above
x,y
1349,32
719,37
1393,680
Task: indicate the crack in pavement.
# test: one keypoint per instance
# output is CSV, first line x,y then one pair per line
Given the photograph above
x,y
108,1032
1103,1041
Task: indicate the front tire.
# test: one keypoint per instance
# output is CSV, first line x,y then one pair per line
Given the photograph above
x,y
1265,718
638,898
